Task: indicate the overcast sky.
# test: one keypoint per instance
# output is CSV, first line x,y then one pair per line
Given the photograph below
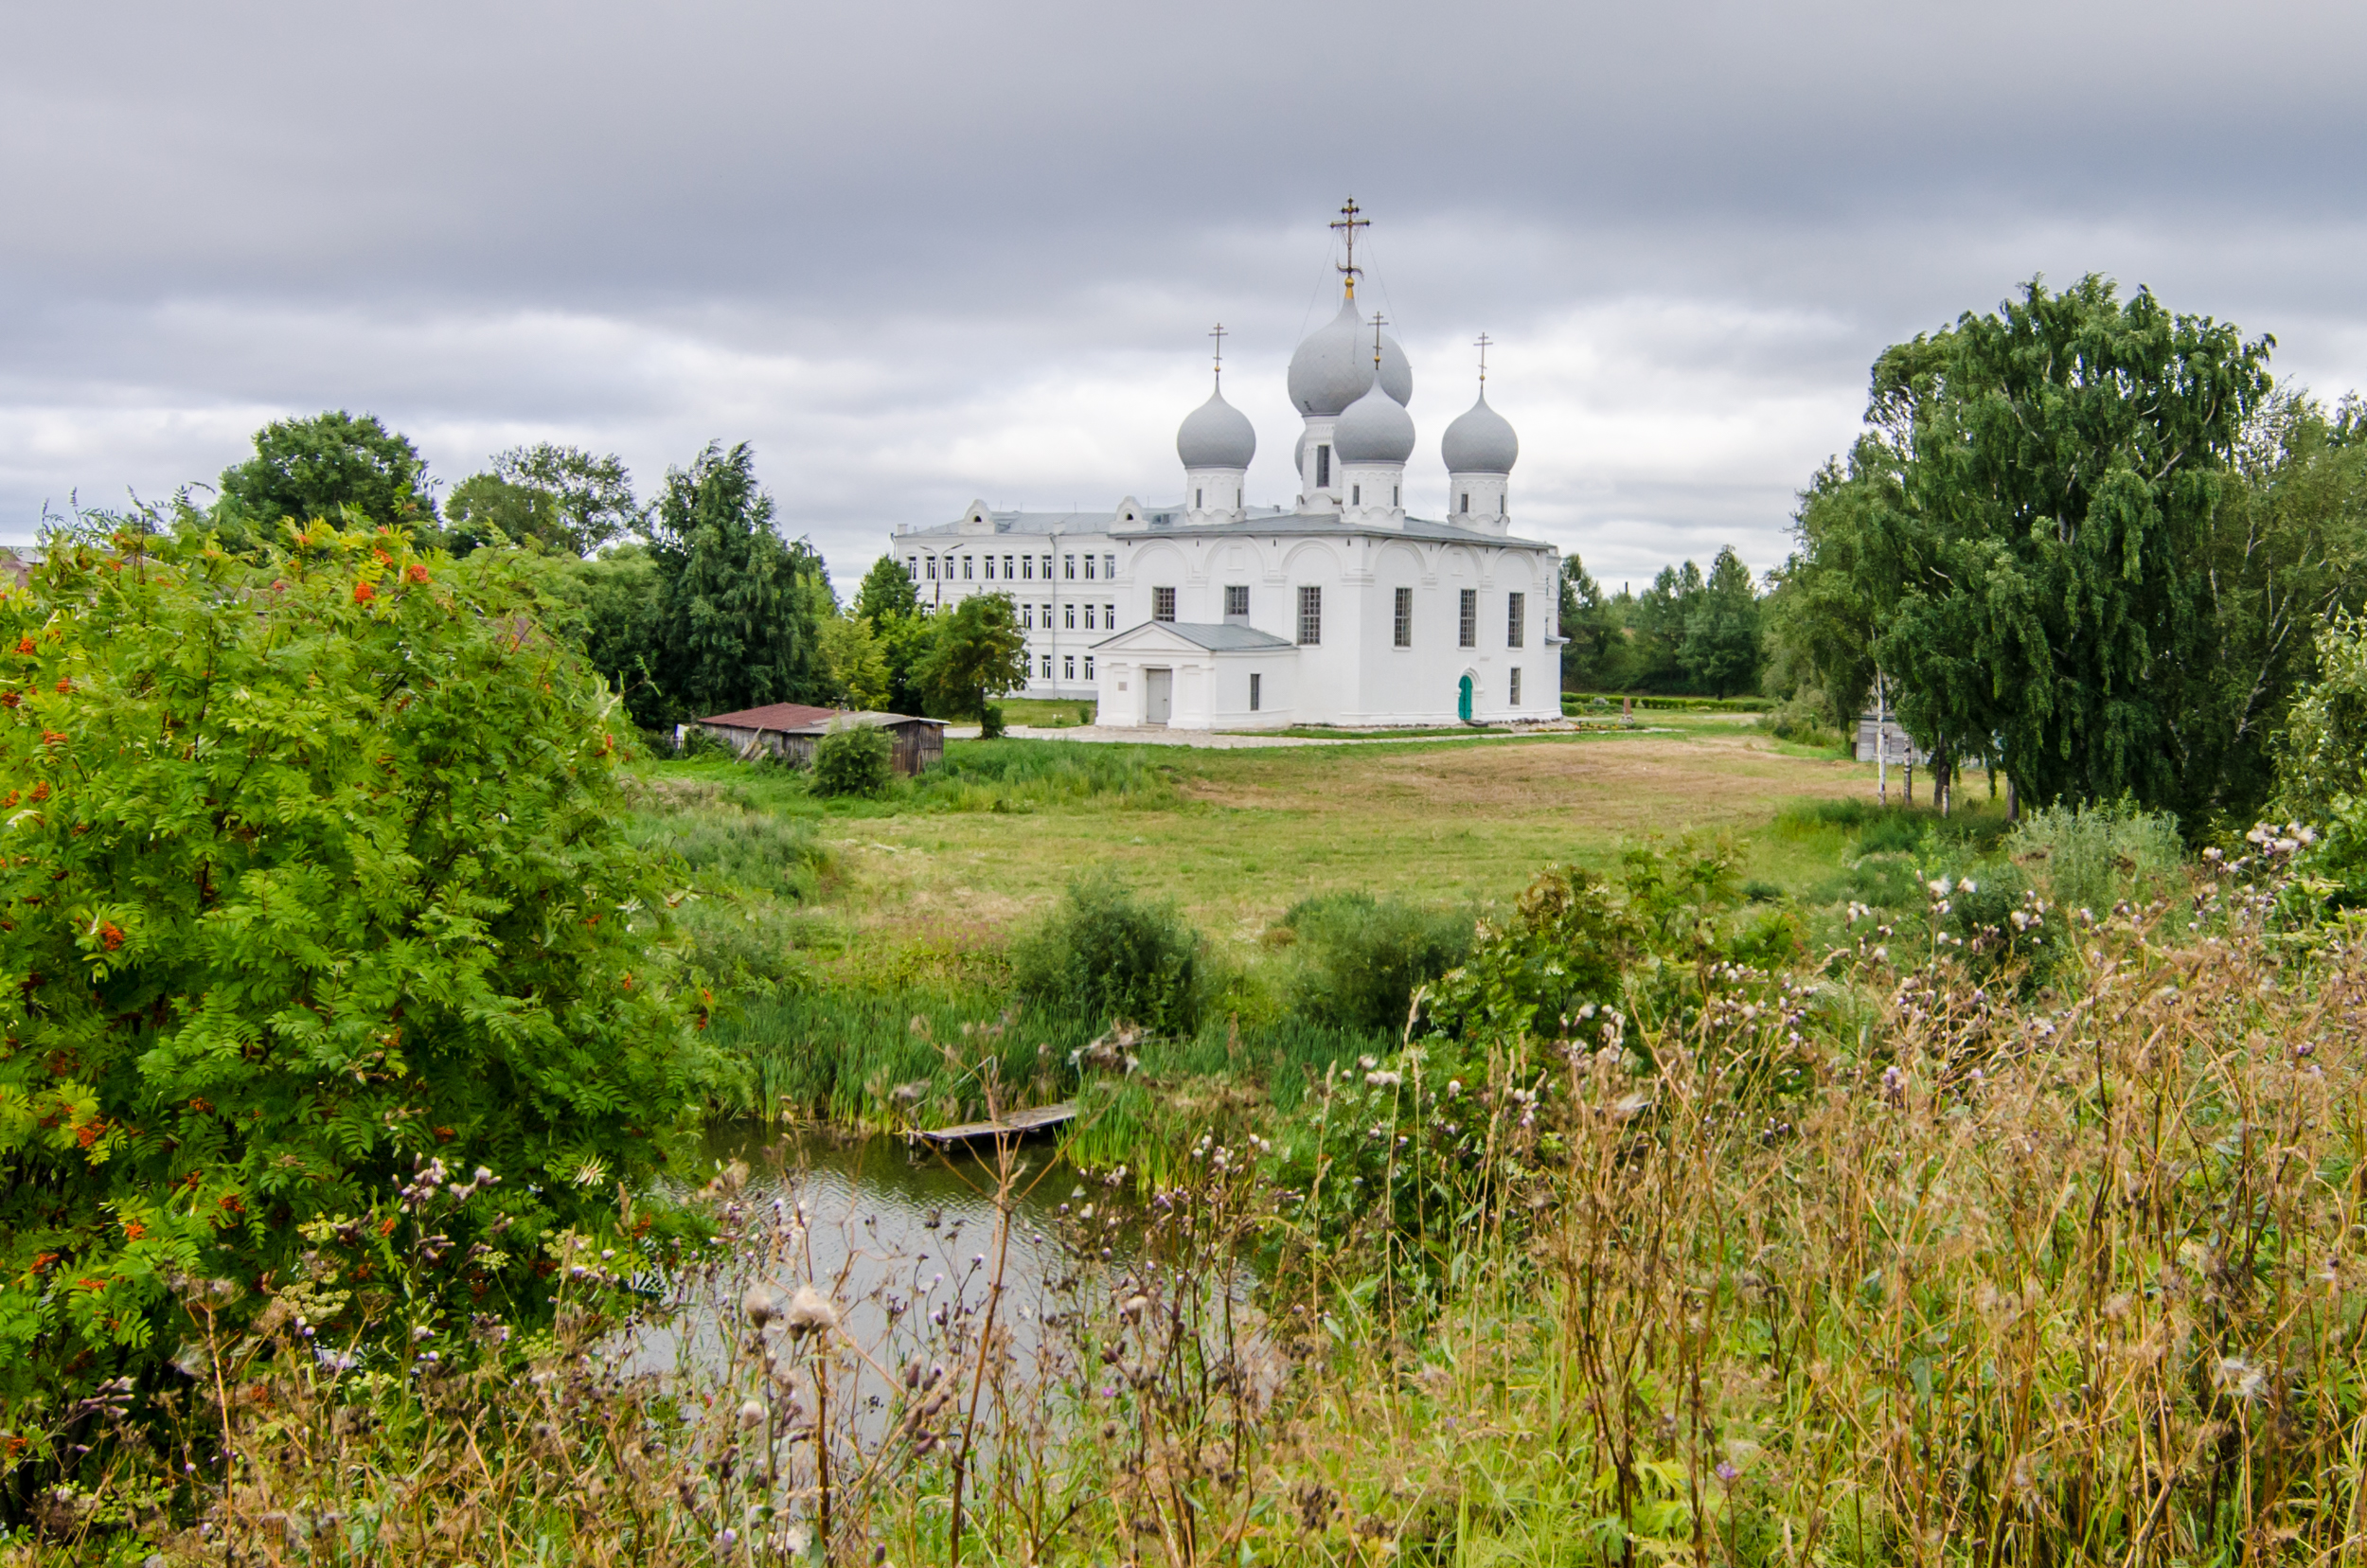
x,y
918,253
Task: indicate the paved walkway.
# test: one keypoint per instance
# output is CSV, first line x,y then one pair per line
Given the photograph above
x,y
1224,740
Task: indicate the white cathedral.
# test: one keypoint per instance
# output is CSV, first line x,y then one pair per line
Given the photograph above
x,y
1339,609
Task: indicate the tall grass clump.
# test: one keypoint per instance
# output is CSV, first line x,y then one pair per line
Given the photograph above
x,y
725,842
1359,959
2094,856
1107,953
1009,775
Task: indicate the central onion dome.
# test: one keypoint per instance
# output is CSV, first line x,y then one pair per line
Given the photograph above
x,y
1334,365
1375,429
1216,436
1480,441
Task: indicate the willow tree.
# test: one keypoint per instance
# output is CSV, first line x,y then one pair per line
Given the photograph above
x,y
2023,530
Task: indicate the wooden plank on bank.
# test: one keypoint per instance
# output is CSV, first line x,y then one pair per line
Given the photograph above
x,y
1018,1124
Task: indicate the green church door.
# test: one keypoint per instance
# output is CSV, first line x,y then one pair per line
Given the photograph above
x,y
1463,700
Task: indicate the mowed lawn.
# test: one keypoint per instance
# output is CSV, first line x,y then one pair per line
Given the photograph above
x,y
1253,831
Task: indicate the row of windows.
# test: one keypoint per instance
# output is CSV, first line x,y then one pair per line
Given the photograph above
x,y
1015,568
1109,621
1068,665
1237,606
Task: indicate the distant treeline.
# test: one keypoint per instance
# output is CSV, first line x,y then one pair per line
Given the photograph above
x,y
690,602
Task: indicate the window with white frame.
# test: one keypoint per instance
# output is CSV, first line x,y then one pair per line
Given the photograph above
x,y
1047,666
1109,616
1089,666
1515,620
990,569
1236,601
1404,624
1253,693
1110,567
1047,568
1516,686
933,569
1466,631
965,568
912,568
1027,568
1311,616
1089,568
1068,616
1006,569
1068,667
1027,618
1047,617
1071,565
1163,604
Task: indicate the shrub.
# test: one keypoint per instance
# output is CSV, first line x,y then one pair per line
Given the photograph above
x,y
2094,856
316,874
1107,953
2322,763
857,760
991,722
1361,957
1805,718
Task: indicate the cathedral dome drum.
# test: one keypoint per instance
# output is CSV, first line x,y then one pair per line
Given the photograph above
x,y
1216,436
1480,441
1334,365
1375,429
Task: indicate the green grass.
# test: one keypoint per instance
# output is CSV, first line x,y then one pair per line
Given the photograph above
x,y
1043,713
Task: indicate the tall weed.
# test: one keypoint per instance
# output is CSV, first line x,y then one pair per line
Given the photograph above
x,y
2096,856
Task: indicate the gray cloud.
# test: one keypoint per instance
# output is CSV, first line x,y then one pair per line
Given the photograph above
x,y
921,252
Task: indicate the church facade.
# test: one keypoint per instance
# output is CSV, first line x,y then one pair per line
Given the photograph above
x,y
1340,609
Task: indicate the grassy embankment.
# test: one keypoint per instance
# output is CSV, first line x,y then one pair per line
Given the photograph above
x,y
857,918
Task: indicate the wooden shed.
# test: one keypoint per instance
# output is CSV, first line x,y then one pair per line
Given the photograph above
x,y
791,730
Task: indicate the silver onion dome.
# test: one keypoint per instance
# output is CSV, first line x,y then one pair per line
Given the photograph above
x,y
1374,429
1334,365
1480,441
1216,436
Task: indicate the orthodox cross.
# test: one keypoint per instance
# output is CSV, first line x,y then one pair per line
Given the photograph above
x,y
1376,326
1220,335
1484,341
1349,222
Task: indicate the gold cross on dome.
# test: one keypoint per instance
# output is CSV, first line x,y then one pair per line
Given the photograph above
x,y
1349,222
1220,334
1484,341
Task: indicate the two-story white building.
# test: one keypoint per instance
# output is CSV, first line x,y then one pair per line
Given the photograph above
x,y
1339,609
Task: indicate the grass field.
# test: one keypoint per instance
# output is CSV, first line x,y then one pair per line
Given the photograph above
x,y
1235,837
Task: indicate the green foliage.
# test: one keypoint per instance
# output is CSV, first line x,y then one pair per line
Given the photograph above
x,y
558,498
854,665
2322,753
991,722
856,761
1567,946
885,592
1107,953
2322,763
1360,958
2025,533
315,873
1595,656
738,616
1719,651
332,464
2095,856
976,652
